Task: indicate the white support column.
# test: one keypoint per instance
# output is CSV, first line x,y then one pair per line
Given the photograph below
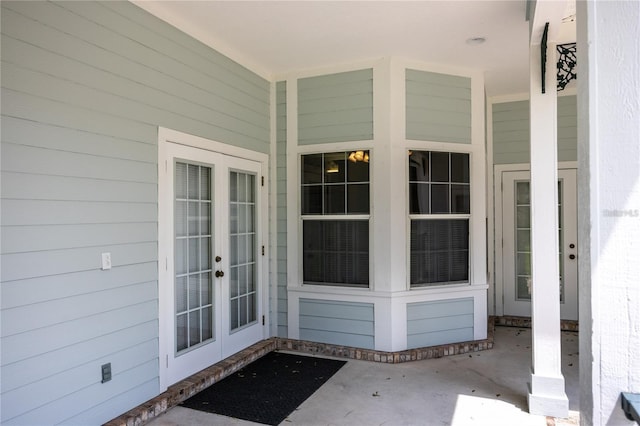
x,y
546,392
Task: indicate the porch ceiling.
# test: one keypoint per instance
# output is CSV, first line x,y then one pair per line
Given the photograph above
x,y
276,37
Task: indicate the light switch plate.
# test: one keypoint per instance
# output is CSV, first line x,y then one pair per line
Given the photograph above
x,y
106,372
106,261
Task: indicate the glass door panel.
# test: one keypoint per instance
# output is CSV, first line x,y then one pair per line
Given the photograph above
x,y
522,233
194,305
242,260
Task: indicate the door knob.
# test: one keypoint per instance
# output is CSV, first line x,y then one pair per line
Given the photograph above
x,y
218,258
219,274
572,245
572,256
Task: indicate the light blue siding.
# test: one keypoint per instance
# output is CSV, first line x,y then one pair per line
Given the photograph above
x,y
439,322
438,107
281,213
338,323
567,128
335,107
85,86
511,134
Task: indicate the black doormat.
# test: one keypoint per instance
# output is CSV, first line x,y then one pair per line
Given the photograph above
x,y
267,390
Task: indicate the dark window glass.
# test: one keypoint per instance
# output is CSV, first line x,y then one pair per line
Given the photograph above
x,y
336,252
439,198
358,171
419,198
312,168
312,199
460,168
460,199
334,199
330,180
439,167
439,251
419,166
358,198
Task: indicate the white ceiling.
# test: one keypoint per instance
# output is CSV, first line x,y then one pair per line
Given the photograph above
x,y
276,37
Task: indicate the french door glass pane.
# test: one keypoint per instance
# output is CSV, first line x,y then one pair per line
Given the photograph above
x,y
523,280
193,242
523,241
242,249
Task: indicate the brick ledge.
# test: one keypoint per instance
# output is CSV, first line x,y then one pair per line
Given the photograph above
x,y
525,322
188,387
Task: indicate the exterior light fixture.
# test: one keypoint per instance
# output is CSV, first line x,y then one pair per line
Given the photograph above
x,y
356,156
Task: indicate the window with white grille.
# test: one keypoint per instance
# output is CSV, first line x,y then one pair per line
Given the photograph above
x,y
335,218
439,212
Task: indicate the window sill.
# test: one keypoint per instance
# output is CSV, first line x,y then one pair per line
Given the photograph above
x,y
352,291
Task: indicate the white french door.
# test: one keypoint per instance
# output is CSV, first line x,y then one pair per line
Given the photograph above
x,y
516,243
210,286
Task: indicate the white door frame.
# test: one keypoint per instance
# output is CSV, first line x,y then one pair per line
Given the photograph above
x,y
497,211
166,138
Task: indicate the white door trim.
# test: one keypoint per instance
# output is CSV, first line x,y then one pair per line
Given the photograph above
x,y
497,210
167,137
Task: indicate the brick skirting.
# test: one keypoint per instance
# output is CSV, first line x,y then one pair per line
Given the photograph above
x,y
190,386
525,322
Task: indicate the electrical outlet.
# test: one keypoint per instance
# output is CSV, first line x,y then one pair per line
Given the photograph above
x,y
106,261
106,372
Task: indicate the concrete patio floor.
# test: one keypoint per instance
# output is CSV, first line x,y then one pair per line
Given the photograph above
x,y
481,388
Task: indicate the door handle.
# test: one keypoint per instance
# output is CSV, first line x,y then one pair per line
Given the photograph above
x,y
218,258
572,256
219,274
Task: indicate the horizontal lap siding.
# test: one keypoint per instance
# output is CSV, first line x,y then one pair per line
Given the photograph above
x,y
281,213
567,128
439,322
511,133
85,86
338,323
438,107
335,107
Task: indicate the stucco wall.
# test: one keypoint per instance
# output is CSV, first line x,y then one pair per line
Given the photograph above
x,y
609,207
